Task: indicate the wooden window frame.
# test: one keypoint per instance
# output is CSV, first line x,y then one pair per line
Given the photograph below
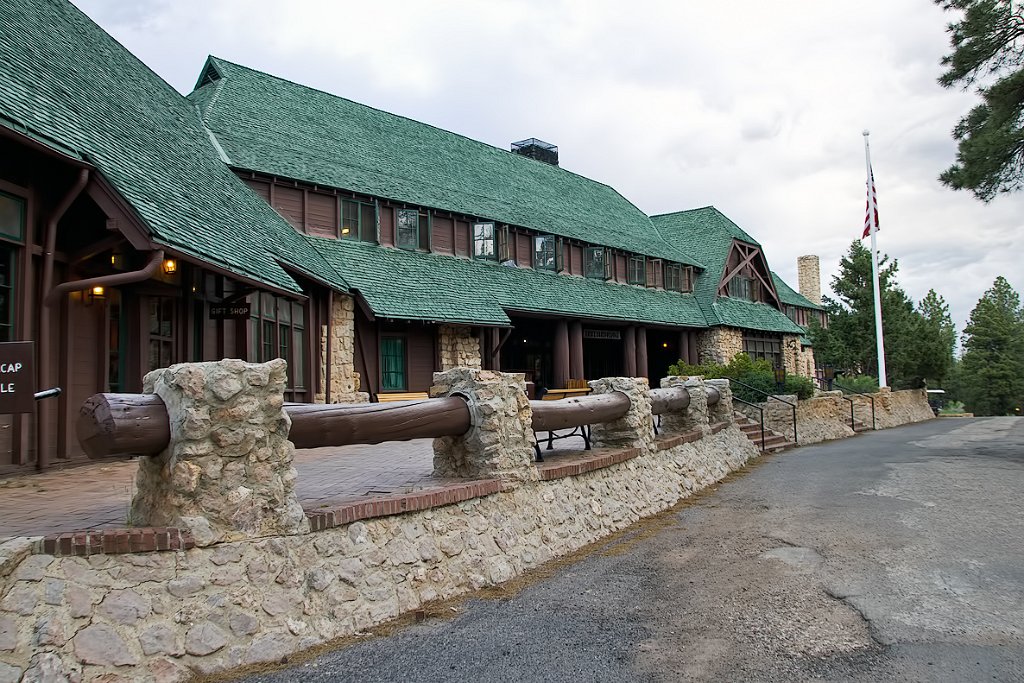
x,y
403,242
479,241
364,230
673,275
594,271
405,362
636,270
298,385
538,253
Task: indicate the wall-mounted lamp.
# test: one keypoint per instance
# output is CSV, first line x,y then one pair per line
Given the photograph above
x,y
345,231
117,261
780,378
664,345
95,294
170,266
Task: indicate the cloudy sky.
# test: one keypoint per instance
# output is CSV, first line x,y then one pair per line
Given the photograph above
x,y
755,107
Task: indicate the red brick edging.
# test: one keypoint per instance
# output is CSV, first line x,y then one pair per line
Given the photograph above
x,y
665,442
320,520
717,427
579,465
114,541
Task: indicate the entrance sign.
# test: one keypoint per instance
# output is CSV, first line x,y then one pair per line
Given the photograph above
x,y
17,377
230,311
602,334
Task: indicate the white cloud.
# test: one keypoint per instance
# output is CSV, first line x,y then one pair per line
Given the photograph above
x,y
754,107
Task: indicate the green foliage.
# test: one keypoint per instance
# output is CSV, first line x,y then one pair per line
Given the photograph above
x,y
802,386
991,380
918,342
861,384
988,53
759,374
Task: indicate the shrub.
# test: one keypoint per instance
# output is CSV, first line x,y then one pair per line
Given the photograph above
x,y
864,384
803,387
758,374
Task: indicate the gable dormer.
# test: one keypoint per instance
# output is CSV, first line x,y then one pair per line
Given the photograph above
x,y
746,276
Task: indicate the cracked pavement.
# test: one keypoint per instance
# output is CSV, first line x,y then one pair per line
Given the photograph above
x,y
893,556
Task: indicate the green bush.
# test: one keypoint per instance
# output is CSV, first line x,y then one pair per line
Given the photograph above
x,y
758,374
864,384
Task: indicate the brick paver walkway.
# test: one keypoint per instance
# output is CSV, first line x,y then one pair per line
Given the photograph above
x,y
98,495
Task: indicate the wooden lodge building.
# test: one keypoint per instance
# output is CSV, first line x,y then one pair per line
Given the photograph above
x,y
258,218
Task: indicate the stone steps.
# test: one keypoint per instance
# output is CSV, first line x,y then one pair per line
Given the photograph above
x,y
773,441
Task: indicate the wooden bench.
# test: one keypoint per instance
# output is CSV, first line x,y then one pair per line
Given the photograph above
x,y
406,396
556,394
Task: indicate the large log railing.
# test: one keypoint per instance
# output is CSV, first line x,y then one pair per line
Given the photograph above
x,y
137,424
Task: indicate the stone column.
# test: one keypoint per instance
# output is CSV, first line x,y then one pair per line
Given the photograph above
x,y
227,473
696,414
721,411
500,441
636,428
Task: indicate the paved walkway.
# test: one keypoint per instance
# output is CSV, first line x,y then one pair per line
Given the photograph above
x,y
98,495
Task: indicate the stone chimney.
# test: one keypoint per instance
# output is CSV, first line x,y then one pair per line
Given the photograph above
x,y
808,271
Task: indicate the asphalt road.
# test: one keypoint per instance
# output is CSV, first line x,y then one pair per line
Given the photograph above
x,y
892,556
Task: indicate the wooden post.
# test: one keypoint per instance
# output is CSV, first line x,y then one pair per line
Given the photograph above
x,y
684,348
641,351
560,370
629,351
576,350
692,344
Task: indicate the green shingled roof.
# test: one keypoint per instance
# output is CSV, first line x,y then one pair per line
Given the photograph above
x,y
788,295
422,286
273,126
66,83
709,234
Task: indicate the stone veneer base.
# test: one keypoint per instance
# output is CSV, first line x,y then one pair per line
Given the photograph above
x,y
165,616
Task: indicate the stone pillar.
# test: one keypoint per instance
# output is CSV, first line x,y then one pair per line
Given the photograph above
x,y
696,414
636,428
458,347
560,364
227,473
721,411
641,351
576,350
499,444
629,351
720,344
694,353
808,273
344,378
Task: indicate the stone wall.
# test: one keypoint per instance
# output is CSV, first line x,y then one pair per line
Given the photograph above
x,y
827,415
791,354
805,362
459,349
344,378
719,344
164,616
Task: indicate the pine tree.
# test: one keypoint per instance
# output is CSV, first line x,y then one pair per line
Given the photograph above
x,y
849,341
992,370
988,53
934,339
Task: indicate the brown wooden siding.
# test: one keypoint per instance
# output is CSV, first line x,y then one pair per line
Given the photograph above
x,y
523,253
420,345
620,268
322,214
462,238
575,253
387,226
288,202
443,240
261,187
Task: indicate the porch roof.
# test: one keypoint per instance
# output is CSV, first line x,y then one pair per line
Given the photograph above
x,y
790,296
274,126
709,234
67,83
423,286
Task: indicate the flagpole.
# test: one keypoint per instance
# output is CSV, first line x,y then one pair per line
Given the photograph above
x,y
872,212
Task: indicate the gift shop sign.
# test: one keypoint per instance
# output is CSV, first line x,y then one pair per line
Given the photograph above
x,y
17,377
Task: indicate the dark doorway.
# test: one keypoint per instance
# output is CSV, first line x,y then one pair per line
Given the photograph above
x,y
529,350
602,352
662,351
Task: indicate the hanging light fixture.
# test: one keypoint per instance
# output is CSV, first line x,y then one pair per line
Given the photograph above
x,y
170,266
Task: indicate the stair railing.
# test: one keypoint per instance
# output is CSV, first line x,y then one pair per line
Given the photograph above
x,y
824,387
770,397
760,410
869,397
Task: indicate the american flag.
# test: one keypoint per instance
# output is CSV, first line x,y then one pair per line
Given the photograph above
x,y
871,201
